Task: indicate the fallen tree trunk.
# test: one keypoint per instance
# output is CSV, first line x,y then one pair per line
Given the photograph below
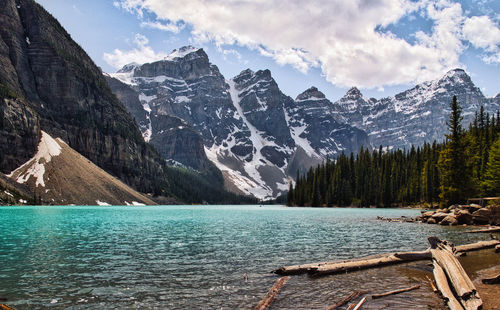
x,y
344,301
444,288
477,246
443,255
390,259
487,230
354,264
373,261
375,296
268,299
494,280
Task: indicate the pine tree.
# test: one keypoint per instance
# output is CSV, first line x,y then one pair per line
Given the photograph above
x,y
492,175
290,198
452,164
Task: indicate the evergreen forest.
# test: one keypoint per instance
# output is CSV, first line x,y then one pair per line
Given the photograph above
x,y
466,164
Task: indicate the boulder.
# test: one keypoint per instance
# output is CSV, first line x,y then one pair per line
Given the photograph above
x,y
463,217
439,216
473,207
426,214
449,220
453,207
481,216
431,221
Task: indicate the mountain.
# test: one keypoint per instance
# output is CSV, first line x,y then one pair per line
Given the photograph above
x,y
416,115
49,83
250,130
57,174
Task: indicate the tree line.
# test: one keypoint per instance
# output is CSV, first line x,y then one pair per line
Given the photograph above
x,y
466,164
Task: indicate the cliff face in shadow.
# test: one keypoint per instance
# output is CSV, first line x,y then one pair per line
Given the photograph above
x,y
69,98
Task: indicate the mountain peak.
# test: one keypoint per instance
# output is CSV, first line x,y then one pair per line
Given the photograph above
x,y
311,92
128,67
456,76
353,92
185,51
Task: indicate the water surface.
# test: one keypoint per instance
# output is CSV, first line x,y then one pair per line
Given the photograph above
x,y
194,257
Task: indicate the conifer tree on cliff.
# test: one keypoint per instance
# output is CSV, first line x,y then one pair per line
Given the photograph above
x,y
455,177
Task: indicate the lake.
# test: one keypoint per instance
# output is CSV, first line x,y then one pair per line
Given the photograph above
x,y
195,257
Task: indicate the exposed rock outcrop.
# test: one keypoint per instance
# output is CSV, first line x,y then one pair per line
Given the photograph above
x,y
19,133
42,64
57,174
471,214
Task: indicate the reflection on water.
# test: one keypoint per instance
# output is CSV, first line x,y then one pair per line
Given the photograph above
x,y
194,257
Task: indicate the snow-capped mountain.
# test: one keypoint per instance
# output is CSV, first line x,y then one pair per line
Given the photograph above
x,y
316,131
259,137
256,135
416,115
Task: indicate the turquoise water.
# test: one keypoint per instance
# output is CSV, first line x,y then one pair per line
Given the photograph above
x,y
185,257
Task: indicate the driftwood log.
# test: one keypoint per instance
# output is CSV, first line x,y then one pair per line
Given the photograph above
x,y
444,256
444,288
340,266
375,296
487,230
477,246
351,306
354,264
268,299
494,280
344,301
360,303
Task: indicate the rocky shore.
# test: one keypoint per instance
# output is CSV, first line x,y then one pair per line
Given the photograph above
x,y
470,214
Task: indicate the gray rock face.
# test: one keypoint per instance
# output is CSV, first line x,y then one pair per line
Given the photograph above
x,y
314,127
175,140
414,116
179,143
42,64
19,133
244,122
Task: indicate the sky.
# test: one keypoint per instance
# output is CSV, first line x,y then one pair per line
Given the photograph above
x,y
380,46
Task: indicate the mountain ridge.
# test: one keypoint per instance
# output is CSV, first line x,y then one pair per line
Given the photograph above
x,y
244,121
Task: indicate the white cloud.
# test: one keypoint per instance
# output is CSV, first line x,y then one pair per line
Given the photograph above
x,y
338,36
482,32
169,27
142,53
233,52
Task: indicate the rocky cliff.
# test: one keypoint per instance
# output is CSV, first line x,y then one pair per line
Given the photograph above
x,y
47,82
43,65
249,128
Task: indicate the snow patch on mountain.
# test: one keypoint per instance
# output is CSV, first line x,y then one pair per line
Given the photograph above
x,y
296,131
181,52
47,148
